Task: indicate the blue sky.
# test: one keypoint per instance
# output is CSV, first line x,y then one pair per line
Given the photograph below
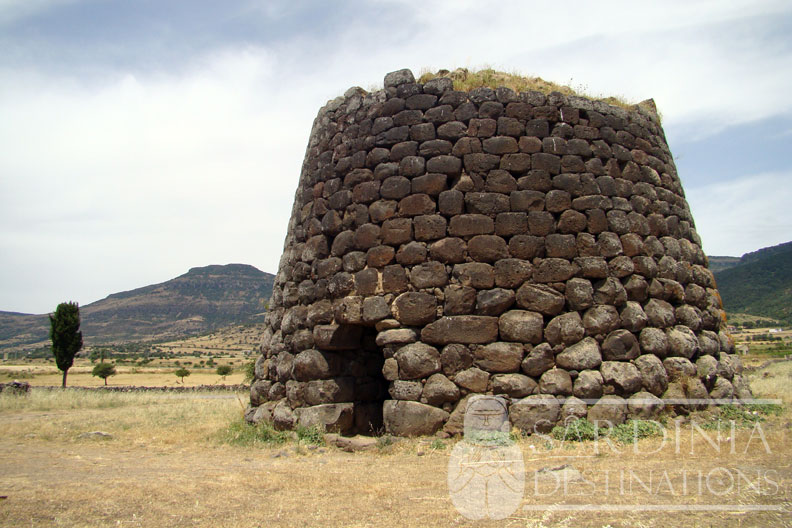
x,y
139,139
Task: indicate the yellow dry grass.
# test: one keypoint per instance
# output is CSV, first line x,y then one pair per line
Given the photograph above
x,y
80,376
166,465
774,381
234,340
466,80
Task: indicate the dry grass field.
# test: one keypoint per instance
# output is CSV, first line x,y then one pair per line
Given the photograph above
x,y
150,365
234,340
186,460
47,375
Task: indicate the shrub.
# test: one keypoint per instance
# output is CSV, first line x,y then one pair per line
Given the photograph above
x,y
631,431
438,444
250,371
104,371
182,373
578,430
490,438
312,435
742,416
242,433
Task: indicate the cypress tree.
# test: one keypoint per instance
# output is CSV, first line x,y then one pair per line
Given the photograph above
x,y
66,336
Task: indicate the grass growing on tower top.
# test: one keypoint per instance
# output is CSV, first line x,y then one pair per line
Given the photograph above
x,y
466,80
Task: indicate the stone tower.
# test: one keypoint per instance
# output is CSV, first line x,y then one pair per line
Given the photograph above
x,y
445,243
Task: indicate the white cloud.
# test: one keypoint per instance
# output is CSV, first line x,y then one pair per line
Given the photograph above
x,y
705,63
141,177
131,177
743,215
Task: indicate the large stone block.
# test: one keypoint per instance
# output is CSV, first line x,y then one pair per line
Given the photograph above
x,y
494,302
409,418
556,381
337,337
682,342
415,308
465,329
513,385
588,385
565,329
537,413
315,364
473,379
583,355
417,360
623,377
620,345
522,326
477,275
396,336
540,298
538,360
439,390
609,411
332,417
653,374
336,390
499,357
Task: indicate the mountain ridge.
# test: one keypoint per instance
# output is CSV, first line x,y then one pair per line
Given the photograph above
x,y
201,300
760,284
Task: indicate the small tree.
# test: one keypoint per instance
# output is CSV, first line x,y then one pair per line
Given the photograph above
x,y
250,371
104,371
66,336
97,353
223,371
182,373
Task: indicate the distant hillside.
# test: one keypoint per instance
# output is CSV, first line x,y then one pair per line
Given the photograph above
x,y
717,264
760,284
201,300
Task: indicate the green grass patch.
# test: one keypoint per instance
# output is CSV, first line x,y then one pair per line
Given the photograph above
x,y
310,435
490,438
743,416
633,430
581,430
241,433
264,434
775,350
767,409
438,444
384,441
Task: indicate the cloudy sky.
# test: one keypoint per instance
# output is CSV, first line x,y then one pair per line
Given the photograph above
x,y
140,139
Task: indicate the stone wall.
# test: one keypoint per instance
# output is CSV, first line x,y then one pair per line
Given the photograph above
x,y
447,243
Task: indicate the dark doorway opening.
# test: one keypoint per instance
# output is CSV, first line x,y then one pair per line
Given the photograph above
x,y
371,388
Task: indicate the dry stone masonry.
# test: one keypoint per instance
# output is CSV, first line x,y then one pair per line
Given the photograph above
x,y
445,243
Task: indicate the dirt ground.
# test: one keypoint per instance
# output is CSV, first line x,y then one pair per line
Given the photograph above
x,y
164,466
99,483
